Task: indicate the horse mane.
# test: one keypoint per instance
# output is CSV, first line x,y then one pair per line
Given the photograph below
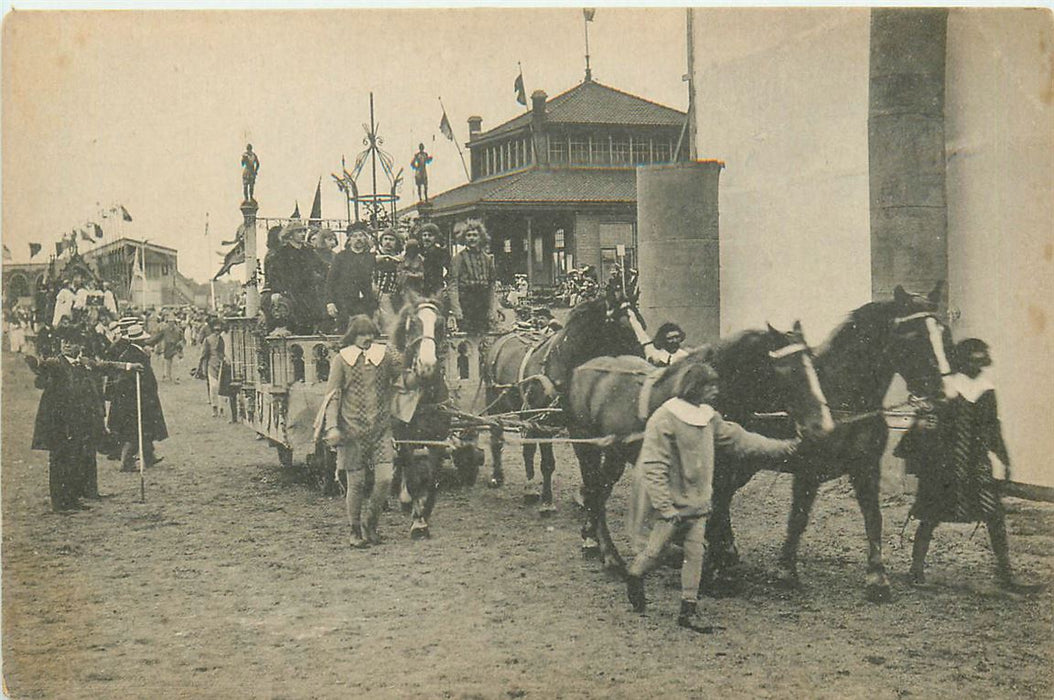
x,y
862,326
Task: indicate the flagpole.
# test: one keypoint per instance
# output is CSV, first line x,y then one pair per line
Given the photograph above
x,y
456,144
208,248
587,17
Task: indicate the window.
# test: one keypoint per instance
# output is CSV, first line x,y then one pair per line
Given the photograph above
x,y
579,150
662,151
620,151
641,151
599,150
557,149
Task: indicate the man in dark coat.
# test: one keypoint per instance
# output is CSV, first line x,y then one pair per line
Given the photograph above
x,y
349,287
123,419
69,420
436,260
297,273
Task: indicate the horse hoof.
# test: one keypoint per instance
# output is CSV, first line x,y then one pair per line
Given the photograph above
x,y
531,496
495,483
546,510
419,532
879,593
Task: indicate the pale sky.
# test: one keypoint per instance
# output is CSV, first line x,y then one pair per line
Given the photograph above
x,y
152,110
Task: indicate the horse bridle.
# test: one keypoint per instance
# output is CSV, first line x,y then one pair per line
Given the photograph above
x,y
409,320
802,349
934,329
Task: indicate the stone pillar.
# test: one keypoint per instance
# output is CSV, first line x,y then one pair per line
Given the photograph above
x,y
252,289
909,219
678,247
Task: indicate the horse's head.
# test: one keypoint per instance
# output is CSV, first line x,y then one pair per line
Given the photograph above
x,y
797,384
918,342
417,334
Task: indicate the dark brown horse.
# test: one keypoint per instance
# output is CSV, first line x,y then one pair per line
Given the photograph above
x,y
856,366
610,400
420,424
526,373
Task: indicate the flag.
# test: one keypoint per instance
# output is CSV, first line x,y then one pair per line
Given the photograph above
x,y
588,13
139,268
124,213
60,246
7,253
444,127
521,92
316,206
34,248
234,256
98,230
296,211
340,182
85,236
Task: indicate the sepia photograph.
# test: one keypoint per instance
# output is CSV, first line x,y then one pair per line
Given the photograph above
x,y
526,351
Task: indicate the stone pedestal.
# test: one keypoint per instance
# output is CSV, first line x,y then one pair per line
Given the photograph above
x,y
252,289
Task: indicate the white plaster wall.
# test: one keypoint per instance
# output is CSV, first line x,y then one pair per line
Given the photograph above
x,y
999,128
783,100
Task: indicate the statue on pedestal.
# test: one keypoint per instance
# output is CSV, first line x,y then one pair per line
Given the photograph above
x,y
250,167
420,165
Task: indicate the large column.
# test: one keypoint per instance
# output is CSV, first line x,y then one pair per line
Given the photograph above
x,y
252,289
678,247
909,219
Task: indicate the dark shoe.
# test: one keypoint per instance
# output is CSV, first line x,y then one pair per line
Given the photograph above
x,y
686,618
635,593
154,462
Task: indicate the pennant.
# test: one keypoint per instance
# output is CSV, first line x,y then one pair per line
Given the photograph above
x,y
588,13
98,230
316,206
444,127
60,246
86,237
124,213
34,248
521,92
234,256
340,183
296,211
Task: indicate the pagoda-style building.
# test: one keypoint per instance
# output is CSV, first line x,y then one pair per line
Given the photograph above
x,y
556,186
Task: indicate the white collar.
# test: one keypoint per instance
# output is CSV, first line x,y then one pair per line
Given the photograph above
x,y
690,413
374,354
969,388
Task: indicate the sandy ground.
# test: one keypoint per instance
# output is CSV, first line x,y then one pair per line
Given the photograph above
x,y
234,580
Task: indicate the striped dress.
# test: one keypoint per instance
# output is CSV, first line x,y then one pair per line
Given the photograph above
x,y
955,473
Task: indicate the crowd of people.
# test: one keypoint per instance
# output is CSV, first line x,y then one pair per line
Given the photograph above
x,y
310,287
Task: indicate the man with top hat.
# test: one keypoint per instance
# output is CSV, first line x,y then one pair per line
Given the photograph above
x,y
69,421
123,421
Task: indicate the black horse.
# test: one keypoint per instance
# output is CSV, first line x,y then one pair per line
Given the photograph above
x,y
611,398
524,375
420,425
856,366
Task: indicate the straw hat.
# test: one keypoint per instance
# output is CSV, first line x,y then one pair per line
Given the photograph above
x,y
135,332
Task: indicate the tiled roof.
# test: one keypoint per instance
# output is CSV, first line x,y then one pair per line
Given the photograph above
x,y
544,186
590,102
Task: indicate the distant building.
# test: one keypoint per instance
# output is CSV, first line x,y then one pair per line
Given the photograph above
x,y
160,285
556,186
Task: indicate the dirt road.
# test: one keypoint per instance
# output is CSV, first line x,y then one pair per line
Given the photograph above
x,y
233,580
